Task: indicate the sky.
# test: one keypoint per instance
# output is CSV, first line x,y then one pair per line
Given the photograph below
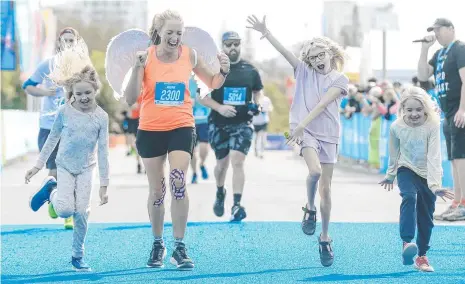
x,y
303,20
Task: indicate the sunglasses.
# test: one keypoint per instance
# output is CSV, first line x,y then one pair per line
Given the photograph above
x,y
320,56
236,44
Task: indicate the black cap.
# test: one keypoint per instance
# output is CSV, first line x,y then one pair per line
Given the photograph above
x,y
440,22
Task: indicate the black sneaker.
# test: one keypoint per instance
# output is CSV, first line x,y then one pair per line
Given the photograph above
x,y
309,221
181,259
238,213
218,208
326,253
157,255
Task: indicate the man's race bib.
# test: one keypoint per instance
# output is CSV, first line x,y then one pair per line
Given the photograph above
x,y
234,96
169,94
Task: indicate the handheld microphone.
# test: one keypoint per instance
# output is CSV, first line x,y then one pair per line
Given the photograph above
x,y
420,40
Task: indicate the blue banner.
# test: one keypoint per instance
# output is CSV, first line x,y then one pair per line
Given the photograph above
x,y
354,144
8,39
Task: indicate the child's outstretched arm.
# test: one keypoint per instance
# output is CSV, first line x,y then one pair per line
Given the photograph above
x,y
434,161
103,141
50,144
335,90
261,27
332,94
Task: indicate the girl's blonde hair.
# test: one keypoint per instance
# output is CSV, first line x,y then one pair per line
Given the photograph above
x,y
158,21
73,65
335,50
420,95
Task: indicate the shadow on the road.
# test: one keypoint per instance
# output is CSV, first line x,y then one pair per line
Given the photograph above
x,y
32,231
70,276
168,225
234,274
344,277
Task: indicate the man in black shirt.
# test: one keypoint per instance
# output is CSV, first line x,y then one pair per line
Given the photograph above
x,y
448,67
230,123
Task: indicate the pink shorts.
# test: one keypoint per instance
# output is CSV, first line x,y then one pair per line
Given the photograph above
x,y
327,152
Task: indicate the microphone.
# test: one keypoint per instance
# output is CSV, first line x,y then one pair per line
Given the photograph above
x,y
420,40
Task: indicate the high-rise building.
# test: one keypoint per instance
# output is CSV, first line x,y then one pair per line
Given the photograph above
x,y
248,48
129,14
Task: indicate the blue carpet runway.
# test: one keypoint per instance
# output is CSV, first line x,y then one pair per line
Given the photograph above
x,y
250,252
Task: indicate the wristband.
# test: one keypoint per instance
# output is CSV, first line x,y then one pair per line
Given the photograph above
x,y
265,34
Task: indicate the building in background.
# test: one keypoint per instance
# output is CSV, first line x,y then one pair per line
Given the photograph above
x,y
99,21
350,24
131,14
341,23
248,48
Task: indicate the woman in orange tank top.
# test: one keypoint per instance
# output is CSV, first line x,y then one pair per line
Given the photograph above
x,y
166,125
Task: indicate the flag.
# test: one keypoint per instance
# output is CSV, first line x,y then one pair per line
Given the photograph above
x,y
8,52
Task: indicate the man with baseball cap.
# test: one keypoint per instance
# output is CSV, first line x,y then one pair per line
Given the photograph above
x,y
448,67
230,123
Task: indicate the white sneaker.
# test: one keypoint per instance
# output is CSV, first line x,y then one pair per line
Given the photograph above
x,y
448,211
457,215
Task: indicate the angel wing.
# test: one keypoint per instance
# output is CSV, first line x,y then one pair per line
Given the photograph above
x,y
121,55
205,46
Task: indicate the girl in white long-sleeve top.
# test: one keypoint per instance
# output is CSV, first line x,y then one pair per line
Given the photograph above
x,y
81,126
415,159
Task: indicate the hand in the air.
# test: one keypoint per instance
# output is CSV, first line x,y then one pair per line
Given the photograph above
x,y
256,24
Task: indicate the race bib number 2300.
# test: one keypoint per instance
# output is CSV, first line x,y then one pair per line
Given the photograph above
x,y
169,94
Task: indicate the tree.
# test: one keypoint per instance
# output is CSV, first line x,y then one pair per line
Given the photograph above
x,y
13,96
12,93
279,117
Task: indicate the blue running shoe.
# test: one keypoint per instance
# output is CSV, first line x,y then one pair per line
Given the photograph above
x,y
80,265
204,172
194,178
43,194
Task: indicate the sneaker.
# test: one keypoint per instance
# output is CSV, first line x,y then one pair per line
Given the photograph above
x,y
180,258
458,214
157,255
238,213
448,211
139,169
43,194
218,208
69,224
409,250
422,264
194,178
309,221
51,211
326,252
80,265
204,172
